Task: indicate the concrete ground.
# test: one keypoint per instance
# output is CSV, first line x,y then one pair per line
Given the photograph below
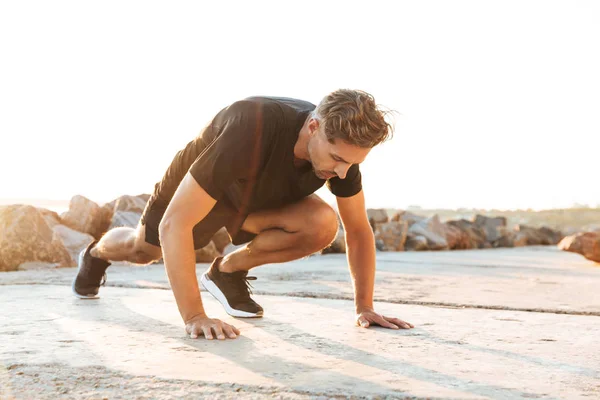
x,y
498,323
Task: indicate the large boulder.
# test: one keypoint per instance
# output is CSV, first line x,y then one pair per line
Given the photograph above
x,y
391,236
506,239
416,243
128,219
457,238
490,226
74,241
207,254
520,239
88,217
377,216
584,243
538,236
534,237
409,217
128,203
476,235
433,230
25,236
52,218
550,236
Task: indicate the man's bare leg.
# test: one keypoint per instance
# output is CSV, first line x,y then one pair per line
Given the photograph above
x,y
289,233
126,244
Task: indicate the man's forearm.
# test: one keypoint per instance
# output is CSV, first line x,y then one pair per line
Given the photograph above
x,y
180,263
360,250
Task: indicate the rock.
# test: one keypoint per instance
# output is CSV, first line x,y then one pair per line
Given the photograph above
x,y
391,236
416,243
221,239
129,203
476,236
129,219
433,230
506,239
377,216
25,236
520,239
88,217
74,241
457,238
338,245
52,218
534,237
207,254
541,236
584,243
409,217
490,226
551,236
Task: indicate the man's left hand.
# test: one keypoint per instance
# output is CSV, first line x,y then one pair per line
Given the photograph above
x,y
370,317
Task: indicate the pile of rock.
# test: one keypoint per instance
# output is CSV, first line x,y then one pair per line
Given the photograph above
x,y
406,231
38,237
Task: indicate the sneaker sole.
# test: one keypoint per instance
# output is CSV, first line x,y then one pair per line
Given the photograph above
x,y
217,294
80,296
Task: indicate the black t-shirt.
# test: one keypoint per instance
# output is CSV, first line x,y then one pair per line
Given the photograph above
x,y
246,157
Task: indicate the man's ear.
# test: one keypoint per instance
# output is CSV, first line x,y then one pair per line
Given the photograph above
x,y
313,126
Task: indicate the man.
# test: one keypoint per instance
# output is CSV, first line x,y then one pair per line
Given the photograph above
x,y
254,170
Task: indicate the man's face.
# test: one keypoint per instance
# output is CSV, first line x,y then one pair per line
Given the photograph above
x,y
333,159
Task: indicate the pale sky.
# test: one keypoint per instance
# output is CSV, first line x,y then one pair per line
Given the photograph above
x,y
498,101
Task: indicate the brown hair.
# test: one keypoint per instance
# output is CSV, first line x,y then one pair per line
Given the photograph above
x,y
354,117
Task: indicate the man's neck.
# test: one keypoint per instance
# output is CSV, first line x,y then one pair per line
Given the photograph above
x,y
301,147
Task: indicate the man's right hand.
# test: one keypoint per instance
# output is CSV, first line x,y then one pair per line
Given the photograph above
x,y
210,328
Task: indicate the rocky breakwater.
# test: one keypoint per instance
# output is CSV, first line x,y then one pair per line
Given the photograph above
x,y
32,237
406,231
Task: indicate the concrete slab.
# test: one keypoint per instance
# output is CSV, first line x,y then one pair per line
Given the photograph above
x,y
540,278
130,343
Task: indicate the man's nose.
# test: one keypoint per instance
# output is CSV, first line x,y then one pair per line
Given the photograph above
x,y
342,169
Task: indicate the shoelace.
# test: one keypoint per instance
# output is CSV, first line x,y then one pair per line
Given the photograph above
x,y
243,288
248,285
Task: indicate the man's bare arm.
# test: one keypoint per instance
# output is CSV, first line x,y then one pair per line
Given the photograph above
x,y
360,249
190,204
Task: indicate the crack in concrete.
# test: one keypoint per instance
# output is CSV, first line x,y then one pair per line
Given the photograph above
x,y
443,304
346,297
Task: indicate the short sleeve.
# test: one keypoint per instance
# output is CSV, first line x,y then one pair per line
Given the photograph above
x,y
349,186
236,151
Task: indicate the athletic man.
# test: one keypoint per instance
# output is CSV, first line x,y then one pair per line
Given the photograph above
x,y
254,170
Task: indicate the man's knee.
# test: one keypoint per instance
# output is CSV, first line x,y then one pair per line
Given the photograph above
x,y
322,227
144,253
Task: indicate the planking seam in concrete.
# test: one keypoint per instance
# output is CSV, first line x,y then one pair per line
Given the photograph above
x,y
342,297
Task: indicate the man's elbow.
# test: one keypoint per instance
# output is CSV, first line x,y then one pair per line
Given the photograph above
x,y
166,225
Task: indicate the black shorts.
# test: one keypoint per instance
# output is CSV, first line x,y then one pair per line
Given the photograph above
x,y
222,215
